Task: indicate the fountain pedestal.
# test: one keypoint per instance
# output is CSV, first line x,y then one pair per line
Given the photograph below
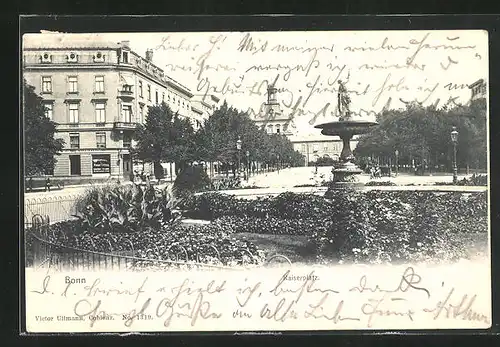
x,y
345,171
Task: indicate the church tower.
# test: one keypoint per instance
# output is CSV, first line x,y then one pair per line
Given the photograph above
x,y
271,117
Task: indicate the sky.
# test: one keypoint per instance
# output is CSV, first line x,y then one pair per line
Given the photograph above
x,y
379,68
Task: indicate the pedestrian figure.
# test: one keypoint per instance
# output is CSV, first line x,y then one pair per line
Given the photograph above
x,y
47,184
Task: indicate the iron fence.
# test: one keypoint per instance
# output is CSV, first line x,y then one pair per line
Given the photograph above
x,y
57,208
45,249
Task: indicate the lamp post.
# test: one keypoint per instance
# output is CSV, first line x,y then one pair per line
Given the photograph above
x,y
396,152
119,165
238,147
248,164
454,139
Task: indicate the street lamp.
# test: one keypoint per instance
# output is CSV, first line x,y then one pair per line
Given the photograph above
x,y
454,139
119,165
396,152
248,164
238,147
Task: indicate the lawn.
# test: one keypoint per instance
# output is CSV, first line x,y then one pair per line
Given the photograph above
x,y
298,249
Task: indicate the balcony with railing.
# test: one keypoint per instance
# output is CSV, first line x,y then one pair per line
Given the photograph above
x,y
126,92
121,125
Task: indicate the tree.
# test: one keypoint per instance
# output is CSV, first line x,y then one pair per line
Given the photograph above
x,y
165,137
40,145
216,141
422,135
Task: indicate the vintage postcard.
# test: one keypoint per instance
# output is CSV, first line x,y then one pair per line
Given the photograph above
x,y
256,181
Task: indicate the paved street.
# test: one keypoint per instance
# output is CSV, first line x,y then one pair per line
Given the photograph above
x,y
58,204
291,177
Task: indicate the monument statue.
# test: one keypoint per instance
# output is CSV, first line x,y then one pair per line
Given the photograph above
x,y
345,127
343,102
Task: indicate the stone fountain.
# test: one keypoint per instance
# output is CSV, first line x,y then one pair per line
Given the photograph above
x,y
345,170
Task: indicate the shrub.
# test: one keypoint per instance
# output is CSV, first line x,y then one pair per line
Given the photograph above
x,y
226,183
205,243
474,180
360,225
121,208
191,179
268,225
380,183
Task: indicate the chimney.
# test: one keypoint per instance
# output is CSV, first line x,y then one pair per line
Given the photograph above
x,y
125,44
149,55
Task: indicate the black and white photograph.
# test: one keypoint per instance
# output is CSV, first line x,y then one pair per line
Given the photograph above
x,y
256,181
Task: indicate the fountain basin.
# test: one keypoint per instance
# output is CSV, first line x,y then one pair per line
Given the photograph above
x,y
345,127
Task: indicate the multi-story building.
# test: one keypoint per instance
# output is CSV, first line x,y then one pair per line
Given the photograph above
x,y
274,121
97,92
313,147
203,106
478,89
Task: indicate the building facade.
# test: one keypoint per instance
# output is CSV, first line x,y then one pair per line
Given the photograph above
x,y
271,118
312,147
203,106
478,89
97,93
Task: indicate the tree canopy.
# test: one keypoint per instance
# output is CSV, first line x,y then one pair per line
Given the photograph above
x,y
423,134
165,137
40,145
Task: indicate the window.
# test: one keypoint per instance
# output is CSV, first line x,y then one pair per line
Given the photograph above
x,y
100,112
48,110
278,128
315,147
99,84
125,57
73,84
270,129
149,92
141,95
140,115
100,139
101,163
73,113
75,167
46,84
325,147
127,88
127,140
156,97
127,113
163,97
303,148
74,141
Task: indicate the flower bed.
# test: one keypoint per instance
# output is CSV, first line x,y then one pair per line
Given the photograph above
x,y
360,226
211,243
474,180
379,183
